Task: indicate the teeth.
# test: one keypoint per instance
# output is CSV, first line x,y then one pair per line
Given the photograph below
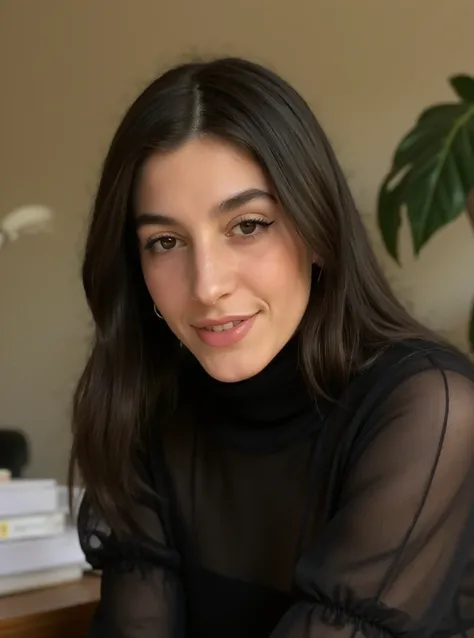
x,y
224,326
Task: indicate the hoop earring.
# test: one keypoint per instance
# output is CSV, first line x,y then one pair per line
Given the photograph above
x,y
320,271
155,310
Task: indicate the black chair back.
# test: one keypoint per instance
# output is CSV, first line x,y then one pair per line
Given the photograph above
x,y
14,451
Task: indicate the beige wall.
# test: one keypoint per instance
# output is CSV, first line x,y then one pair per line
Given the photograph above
x,y
68,69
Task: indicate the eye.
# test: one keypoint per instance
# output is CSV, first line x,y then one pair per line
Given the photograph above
x,y
251,227
163,244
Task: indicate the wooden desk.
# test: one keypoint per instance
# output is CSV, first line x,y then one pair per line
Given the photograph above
x,y
54,612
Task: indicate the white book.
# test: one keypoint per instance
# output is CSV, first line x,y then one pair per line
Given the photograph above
x,y
33,526
20,497
63,500
17,557
15,583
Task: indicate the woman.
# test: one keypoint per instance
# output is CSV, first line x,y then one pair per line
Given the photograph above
x,y
270,445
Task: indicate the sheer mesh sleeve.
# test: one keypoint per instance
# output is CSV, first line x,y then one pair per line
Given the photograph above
x,y
397,547
141,594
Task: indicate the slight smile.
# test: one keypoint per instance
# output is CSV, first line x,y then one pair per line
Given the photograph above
x,y
225,331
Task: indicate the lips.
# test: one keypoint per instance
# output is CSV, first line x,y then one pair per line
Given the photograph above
x,y
226,331
224,326
221,322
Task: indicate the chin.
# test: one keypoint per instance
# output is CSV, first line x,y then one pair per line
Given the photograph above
x,y
229,367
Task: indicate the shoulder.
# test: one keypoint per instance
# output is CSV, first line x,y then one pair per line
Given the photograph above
x,y
414,360
409,377
421,385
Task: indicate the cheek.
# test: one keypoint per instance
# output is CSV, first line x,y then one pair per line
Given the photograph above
x,y
282,274
165,282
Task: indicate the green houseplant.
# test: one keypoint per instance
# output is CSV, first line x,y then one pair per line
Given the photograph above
x,y
432,174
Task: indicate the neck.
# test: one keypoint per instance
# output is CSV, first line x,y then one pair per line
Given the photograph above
x,y
275,399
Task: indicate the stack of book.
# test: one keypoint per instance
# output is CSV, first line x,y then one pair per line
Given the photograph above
x,y
39,545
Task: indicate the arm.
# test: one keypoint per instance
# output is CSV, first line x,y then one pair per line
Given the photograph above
x,y
393,555
141,593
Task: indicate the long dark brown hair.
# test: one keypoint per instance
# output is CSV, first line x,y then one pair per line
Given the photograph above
x,y
130,374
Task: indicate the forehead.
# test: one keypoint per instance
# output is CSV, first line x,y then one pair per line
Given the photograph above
x,y
201,173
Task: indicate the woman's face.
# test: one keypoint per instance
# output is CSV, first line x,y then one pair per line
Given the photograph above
x,y
222,262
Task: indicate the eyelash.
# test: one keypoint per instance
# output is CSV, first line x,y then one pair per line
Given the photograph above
x,y
262,225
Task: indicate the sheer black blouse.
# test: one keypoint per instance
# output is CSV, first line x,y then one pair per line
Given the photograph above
x,y
279,516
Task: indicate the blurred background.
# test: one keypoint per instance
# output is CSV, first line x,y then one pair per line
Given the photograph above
x,y
68,69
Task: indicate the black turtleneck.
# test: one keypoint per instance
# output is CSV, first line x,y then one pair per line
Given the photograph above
x,y
270,524
272,408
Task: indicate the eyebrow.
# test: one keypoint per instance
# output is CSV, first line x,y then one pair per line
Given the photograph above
x,y
228,205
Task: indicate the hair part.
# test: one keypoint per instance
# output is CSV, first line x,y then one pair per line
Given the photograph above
x,y
130,378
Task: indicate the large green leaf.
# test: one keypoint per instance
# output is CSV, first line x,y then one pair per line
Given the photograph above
x,y
463,85
432,171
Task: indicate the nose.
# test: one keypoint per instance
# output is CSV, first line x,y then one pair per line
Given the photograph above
x,y
213,275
